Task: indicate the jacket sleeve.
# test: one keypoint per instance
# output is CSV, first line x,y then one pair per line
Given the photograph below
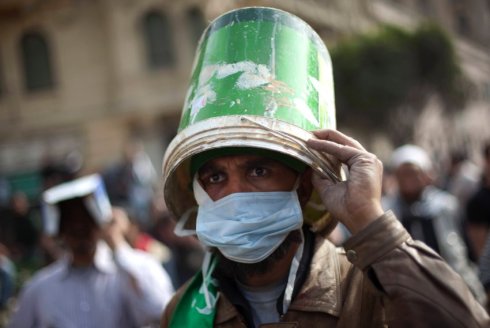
x,y
148,287
485,270
171,306
484,263
419,289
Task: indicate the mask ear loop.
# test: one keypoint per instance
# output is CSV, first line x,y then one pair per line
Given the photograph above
x,y
201,197
200,194
293,272
297,183
179,229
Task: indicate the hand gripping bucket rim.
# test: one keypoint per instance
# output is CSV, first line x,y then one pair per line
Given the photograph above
x,y
230,96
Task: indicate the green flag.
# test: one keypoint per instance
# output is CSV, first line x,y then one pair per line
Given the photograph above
x,y
197,307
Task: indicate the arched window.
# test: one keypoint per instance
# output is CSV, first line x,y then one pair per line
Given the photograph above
x,y
2,87
36,62
158,40
196,23
425,7
463,24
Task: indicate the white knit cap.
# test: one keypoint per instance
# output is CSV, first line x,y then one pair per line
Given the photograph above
x,y
413,155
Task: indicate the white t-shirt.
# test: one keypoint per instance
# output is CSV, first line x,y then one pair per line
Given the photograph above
x,y
263,301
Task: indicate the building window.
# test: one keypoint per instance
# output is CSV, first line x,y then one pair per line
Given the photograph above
x,y
196,23
36,62
2,87
486,91
425,7
158,40
463,24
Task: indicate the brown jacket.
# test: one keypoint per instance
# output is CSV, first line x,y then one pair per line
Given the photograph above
x,y
381,278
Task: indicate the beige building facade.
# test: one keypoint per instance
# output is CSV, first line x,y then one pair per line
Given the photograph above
x,y
468,24
87,76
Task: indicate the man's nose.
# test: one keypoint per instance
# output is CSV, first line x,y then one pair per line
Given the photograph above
x,y
236,184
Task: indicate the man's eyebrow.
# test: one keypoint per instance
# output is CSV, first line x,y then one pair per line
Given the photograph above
x,y
207,169
211,167
263,161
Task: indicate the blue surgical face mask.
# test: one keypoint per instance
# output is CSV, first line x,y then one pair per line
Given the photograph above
x,y
248,226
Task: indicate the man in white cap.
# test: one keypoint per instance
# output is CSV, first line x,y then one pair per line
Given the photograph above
x,y
101,282
429,214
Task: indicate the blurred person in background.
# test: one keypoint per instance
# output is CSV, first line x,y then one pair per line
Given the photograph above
x,y
55,172
5,191
20,231
130,182
101,281
7,268
187,252
484,266
478,208
462,180
429,214
144,241
7,279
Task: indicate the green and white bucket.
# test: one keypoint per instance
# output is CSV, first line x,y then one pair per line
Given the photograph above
x,y
262,78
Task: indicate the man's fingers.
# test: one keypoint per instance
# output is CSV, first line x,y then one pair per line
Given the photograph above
x,y
338,137
343,153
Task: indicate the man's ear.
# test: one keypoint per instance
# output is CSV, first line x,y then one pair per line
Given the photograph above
x,y
305,187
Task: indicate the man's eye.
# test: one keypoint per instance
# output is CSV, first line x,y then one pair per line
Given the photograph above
x,y
258,171
215,178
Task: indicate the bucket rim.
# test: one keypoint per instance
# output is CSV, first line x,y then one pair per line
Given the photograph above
x,y
237,131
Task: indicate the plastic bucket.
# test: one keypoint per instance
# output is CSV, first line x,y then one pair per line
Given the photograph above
x,y
261,78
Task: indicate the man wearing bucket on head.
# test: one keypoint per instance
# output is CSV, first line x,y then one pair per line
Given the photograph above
x,y
245,174
100,281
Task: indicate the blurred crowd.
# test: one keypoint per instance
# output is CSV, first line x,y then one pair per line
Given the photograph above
x,y
132,185
446,206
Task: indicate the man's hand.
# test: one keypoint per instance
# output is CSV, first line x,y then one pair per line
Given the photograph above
x,y
355,202
115,231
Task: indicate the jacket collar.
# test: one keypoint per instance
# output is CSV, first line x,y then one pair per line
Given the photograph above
x,y
321,291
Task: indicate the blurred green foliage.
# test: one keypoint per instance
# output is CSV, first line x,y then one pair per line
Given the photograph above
x,y
377,73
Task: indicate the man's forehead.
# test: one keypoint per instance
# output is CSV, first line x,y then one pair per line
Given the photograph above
x,y
246,154
240,161
409,167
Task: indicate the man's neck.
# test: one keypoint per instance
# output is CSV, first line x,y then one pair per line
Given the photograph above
x,y
486,179
82,260
81,263
410,199
276,273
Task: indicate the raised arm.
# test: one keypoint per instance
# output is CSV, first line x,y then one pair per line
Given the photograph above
x,y
418,287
